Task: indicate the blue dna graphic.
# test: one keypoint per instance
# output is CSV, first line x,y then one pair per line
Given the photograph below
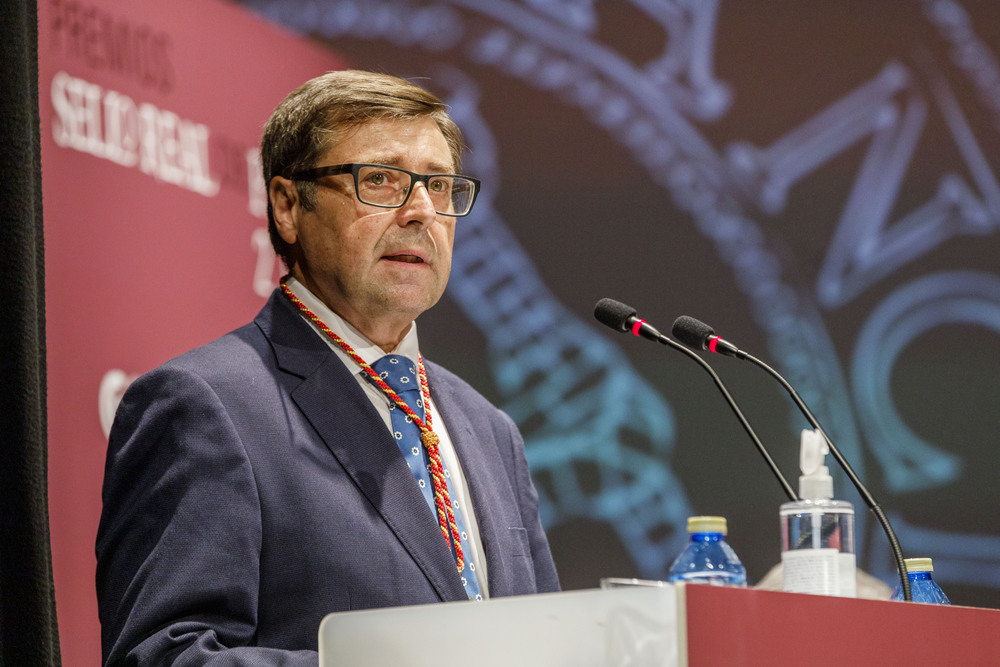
x,y
578,400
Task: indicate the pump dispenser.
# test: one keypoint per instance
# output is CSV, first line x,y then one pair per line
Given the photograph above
x,y
815,481
817,532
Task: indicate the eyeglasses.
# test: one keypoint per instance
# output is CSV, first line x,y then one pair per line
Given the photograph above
x,y
390,187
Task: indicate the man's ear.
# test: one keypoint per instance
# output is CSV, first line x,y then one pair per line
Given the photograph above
x,y
285,207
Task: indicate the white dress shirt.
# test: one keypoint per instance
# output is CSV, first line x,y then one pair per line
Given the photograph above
x,y
409,348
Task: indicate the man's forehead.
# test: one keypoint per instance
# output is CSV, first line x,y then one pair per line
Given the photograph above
x,y
392,142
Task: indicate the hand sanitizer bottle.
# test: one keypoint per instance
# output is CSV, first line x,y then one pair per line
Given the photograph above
x,y
817,532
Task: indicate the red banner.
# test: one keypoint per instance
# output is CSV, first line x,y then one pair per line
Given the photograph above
x,y
155,223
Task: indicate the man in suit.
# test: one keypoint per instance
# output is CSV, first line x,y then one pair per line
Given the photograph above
x,y
275,475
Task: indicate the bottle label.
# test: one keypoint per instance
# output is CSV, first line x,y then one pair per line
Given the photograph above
x,y
848,575
819,572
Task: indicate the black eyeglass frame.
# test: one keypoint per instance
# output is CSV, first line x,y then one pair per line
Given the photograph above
x,y
353,168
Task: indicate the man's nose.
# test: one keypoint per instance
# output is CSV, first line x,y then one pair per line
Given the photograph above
x,y
419,207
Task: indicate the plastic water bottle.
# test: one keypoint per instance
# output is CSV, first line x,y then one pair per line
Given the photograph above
x,y
817,532
708,558
923,588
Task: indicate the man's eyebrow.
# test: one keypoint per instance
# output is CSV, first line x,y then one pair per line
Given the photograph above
x,y
388,159
391,160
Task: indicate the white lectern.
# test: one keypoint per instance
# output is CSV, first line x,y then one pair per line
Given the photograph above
x,y
635,626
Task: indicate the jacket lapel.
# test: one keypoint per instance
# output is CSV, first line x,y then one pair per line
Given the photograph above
x,y
483,470
352,430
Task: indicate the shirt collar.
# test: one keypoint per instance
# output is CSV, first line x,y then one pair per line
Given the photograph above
x,y
367,350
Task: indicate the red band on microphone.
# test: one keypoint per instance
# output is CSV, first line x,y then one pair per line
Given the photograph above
x,y
712,342
638,325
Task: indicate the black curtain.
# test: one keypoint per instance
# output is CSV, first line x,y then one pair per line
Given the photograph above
x,y
28,630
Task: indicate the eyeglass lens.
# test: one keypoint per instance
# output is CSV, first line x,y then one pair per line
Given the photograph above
x,y
386,186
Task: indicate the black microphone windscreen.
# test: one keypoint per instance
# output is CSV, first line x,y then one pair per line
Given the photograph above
x,y
693,333
613,313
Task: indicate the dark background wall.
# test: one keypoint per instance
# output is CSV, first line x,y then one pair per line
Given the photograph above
x,y
816,180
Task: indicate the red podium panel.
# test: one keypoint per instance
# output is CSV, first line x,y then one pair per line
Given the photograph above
x,y
728,626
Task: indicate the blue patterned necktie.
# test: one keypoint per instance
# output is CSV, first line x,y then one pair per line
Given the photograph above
x,y
399,373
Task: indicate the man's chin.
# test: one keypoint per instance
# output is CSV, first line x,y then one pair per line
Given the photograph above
x,y
409,300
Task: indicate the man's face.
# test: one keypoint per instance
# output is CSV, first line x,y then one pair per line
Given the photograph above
x,y
377,268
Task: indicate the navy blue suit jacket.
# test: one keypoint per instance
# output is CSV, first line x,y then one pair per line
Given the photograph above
x,y
251,488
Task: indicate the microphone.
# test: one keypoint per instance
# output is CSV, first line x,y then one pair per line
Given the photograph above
x,y
620,317
698,335
624,319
